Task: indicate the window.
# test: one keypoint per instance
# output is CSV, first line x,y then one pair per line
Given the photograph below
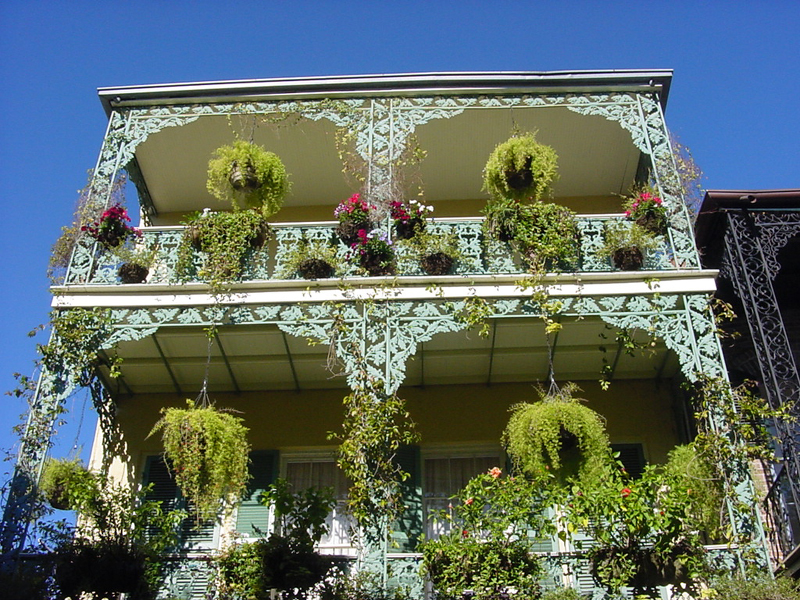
x,y
303,472
444,476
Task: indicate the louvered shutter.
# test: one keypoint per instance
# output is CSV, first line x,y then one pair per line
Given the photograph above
x,y
409,527
193,536
252,517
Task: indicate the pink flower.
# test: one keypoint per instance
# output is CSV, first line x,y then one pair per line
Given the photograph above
x,y
625,492
469,501
495,472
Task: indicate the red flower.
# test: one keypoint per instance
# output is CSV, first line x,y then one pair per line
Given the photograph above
x,y
495,472
625,492
464,533
469,501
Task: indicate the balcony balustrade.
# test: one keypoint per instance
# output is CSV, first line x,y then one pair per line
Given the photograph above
x,y
93,264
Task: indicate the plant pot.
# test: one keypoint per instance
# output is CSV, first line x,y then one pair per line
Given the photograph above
x,y
57,497
261,235
520,179
315,268
133,273
243,177
655,224
348,230
405,230
628,259
438,263
375,266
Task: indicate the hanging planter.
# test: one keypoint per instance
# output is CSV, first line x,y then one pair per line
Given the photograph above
x,y
520,168
311,259
437,263
248,176
208,453
315,268
626,244
646,209
133,273
65,480
558,435
629,258
546,236
375,253
354,216
408,218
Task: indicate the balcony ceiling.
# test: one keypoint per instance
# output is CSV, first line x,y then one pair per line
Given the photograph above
x,y
263,358
596,156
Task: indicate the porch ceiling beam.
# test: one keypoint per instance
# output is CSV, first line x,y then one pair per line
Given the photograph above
x,y
175,383
291,362
227,362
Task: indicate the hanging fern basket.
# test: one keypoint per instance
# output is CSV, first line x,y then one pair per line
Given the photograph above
x,y
520,168
208,453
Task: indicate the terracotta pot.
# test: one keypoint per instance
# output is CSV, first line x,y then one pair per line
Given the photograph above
x,y
315,268
405,230
628,259
438,263
133,273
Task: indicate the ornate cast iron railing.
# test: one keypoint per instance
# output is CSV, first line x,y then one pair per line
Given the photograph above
x,y
91,264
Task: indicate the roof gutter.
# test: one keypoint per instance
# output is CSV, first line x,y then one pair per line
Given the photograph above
x,y
410,84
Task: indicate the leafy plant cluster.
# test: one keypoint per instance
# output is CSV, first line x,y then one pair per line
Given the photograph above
x,y
311,259
286,561
494,523
647,210
208,453
626,244
111,229
520,168
376,425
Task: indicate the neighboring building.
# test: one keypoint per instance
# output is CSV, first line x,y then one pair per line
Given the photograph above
x,y
609,132
753,238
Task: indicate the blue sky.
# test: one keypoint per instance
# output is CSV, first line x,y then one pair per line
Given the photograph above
x,y
734,98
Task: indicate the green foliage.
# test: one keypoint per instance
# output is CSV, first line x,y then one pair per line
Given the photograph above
x,y
208,452
495,522
66,483
375,425
287,560
756,586
618,235
297,257
362,585
546,235
473,311
514,155
226,239
646,530
119,545
269,184
536,435
426,243
78,335
563,594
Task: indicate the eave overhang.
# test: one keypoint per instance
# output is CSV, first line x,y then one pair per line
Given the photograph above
x,y
343,86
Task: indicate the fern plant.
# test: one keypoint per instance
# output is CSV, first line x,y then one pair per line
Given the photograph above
x,y
520,168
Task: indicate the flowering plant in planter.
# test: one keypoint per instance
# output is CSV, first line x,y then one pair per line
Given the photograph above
x,y
627,244
408,218
112,228
495,522
353,214
375,252
436,252
648,211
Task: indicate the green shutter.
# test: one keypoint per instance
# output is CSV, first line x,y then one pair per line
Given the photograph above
x,y
252,518
165,490
410,526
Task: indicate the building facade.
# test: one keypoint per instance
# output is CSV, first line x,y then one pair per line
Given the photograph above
x,y
281,355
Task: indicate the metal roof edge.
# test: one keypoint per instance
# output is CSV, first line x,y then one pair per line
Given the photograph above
x,y
444,83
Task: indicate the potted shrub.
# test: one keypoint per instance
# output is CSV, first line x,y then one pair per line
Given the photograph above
x,y
495,522
208,453
502,218
248,176
112,227
627,244
136,264
557,435
409,218
436,252
374,252
66,482
647,210
314,259
546,235
520,168
354,215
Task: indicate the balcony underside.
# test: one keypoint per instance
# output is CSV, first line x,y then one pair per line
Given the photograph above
x,y
252,358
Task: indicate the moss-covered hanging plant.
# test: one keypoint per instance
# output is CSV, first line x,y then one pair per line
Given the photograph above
x,y
557,434
520,168
248,176
66,483
208,453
